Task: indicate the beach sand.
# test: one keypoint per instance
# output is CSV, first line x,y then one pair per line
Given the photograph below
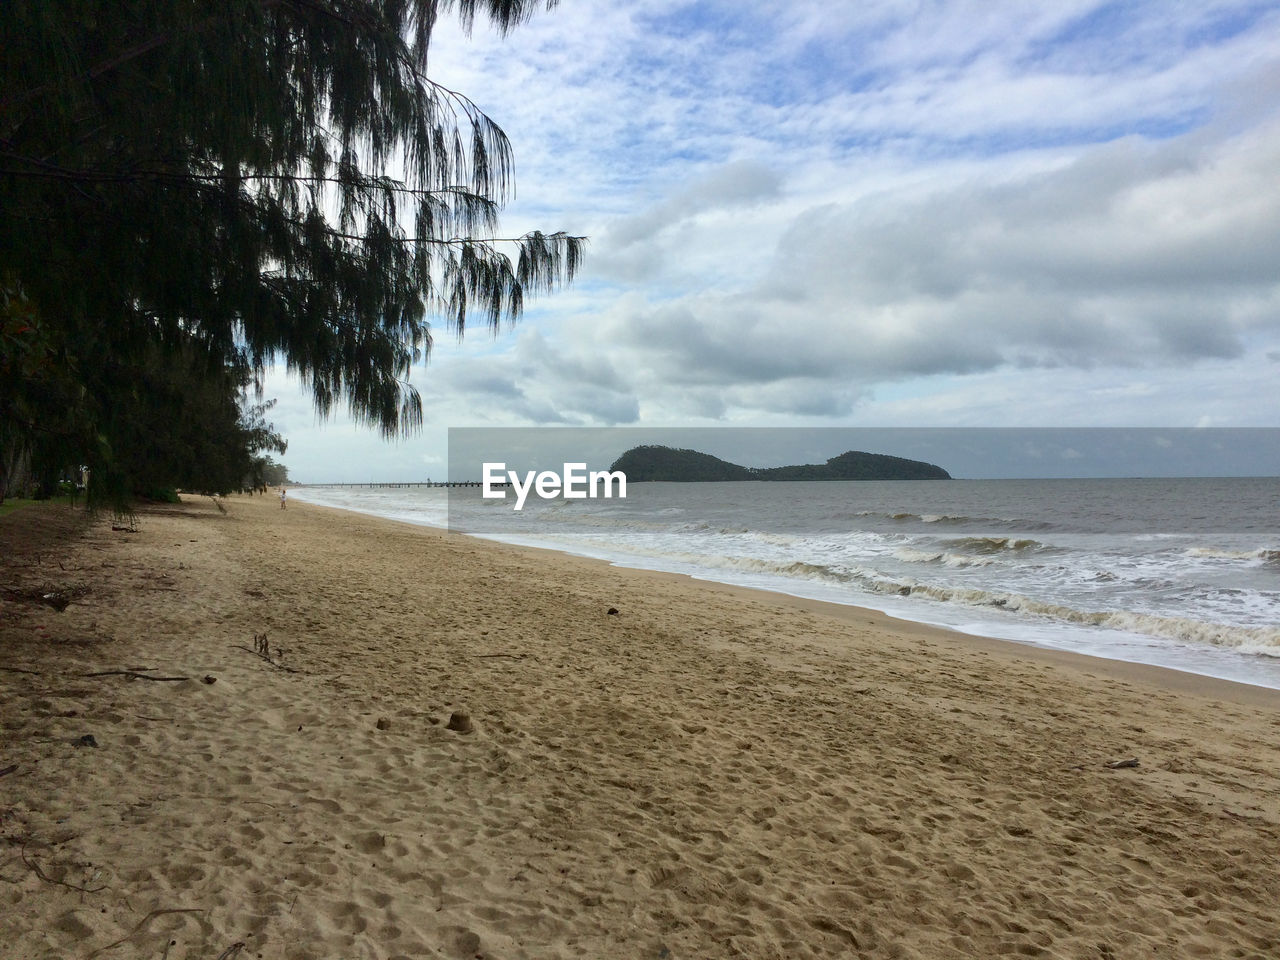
x,y
707,772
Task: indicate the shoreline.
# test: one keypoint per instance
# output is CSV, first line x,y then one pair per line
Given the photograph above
x,y
1172,678
706,772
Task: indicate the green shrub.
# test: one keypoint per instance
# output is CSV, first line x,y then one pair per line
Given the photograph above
x,y
161,495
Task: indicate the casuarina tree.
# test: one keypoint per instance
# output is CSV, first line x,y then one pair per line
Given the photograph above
x,y
240,183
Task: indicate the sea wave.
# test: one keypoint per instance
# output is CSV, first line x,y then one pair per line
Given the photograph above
x,y
738,533
1265,555
996,544
1255,640
970,551
943,557
947,519
791,569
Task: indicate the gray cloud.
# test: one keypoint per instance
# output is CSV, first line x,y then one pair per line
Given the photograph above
x,y
532,383
630,249
485,382
1134,255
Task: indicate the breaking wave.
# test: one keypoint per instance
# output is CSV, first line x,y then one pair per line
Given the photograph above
x,y
1256,640
947,519
1265,555
791,569
944,557
997,544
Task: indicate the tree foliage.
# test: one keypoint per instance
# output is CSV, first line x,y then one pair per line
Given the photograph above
x,y
41,393
266,472
180,424
233,183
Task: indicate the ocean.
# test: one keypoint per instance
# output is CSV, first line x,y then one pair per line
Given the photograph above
x,y
1181,573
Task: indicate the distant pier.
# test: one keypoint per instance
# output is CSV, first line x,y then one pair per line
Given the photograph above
x,y
396,486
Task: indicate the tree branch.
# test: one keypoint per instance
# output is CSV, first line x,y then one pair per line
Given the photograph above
x,y
131,53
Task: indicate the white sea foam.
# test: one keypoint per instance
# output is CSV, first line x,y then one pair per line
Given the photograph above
x,y
944,557
1261,555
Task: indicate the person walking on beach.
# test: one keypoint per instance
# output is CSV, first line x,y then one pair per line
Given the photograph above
x,y
282,496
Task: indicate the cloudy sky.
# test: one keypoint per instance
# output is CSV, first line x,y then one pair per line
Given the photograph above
x,y
877,213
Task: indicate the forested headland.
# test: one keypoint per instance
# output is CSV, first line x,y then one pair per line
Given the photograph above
x,y
661,463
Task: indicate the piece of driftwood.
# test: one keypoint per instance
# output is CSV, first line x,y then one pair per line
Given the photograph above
x,y
34,866
87,740
1123,764
278,666
131,674
8,770
141,923
262,650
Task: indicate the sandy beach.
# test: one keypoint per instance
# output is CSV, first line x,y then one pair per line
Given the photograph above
x,y
453,748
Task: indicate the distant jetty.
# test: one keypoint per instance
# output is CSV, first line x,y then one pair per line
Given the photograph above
x,y
406,483
675,465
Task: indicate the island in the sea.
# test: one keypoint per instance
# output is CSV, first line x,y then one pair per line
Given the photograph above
x,y
671,464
